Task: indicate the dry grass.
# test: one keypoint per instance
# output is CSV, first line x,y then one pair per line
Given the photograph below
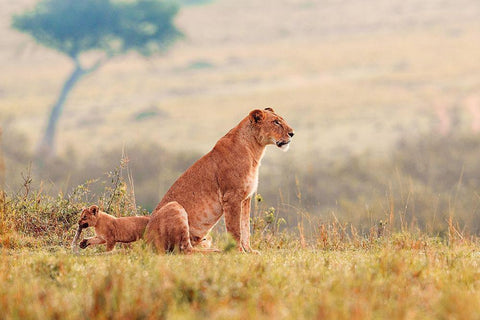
x,y
399,276
281,284
326,269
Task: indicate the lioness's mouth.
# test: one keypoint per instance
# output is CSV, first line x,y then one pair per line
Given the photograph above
x,y
282,143
83,226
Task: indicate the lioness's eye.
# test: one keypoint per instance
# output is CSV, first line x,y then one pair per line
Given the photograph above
x,y
276,122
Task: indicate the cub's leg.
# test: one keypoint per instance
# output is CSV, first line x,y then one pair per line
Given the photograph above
x,y
91,241
168,229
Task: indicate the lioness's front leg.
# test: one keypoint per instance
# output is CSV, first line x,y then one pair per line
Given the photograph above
x,y
232,209
245,226
90,241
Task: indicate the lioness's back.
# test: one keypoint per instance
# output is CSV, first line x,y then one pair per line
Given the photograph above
x,y
196,190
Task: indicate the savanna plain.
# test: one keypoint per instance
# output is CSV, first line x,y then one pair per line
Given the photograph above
x,y
334,272
374,213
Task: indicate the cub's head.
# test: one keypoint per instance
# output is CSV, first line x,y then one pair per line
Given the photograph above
x,y
89,217
271,128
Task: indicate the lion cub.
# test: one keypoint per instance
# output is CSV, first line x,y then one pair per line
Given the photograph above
x,y
109,229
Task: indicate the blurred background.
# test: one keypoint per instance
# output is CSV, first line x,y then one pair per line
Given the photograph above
x,y
384,97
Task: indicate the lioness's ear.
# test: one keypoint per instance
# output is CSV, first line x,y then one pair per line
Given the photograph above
x,y
94,209
257,115
270,109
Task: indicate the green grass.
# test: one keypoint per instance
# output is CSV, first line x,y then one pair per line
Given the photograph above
x,y
432,280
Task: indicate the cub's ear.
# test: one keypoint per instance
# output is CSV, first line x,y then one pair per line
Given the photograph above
x,y
270,109
94,209
257,115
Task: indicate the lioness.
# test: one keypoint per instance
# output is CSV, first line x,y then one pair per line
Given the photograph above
x,y
109,229
221,182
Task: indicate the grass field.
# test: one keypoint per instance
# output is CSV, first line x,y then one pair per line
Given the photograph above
x,y
316,270
401,277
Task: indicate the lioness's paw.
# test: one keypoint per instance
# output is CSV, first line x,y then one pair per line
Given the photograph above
x,y
247,249
83,244
250,250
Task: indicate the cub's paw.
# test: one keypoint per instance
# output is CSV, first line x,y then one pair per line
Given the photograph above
x,y
83,244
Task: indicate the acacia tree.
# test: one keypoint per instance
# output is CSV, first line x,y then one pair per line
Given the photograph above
x,y
109,27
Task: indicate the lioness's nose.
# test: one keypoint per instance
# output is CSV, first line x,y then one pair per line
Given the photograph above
x,y
291,134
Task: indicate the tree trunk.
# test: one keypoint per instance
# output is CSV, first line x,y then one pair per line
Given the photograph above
x,y
2,192
47,145
2,170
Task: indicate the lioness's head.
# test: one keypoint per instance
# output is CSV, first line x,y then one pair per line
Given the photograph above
x,y
89,217
271,128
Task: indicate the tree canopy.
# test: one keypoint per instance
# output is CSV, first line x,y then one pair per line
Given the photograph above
x,y
76,26
109,26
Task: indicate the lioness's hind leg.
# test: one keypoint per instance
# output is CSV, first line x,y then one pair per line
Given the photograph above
x,y
168,229
110,245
